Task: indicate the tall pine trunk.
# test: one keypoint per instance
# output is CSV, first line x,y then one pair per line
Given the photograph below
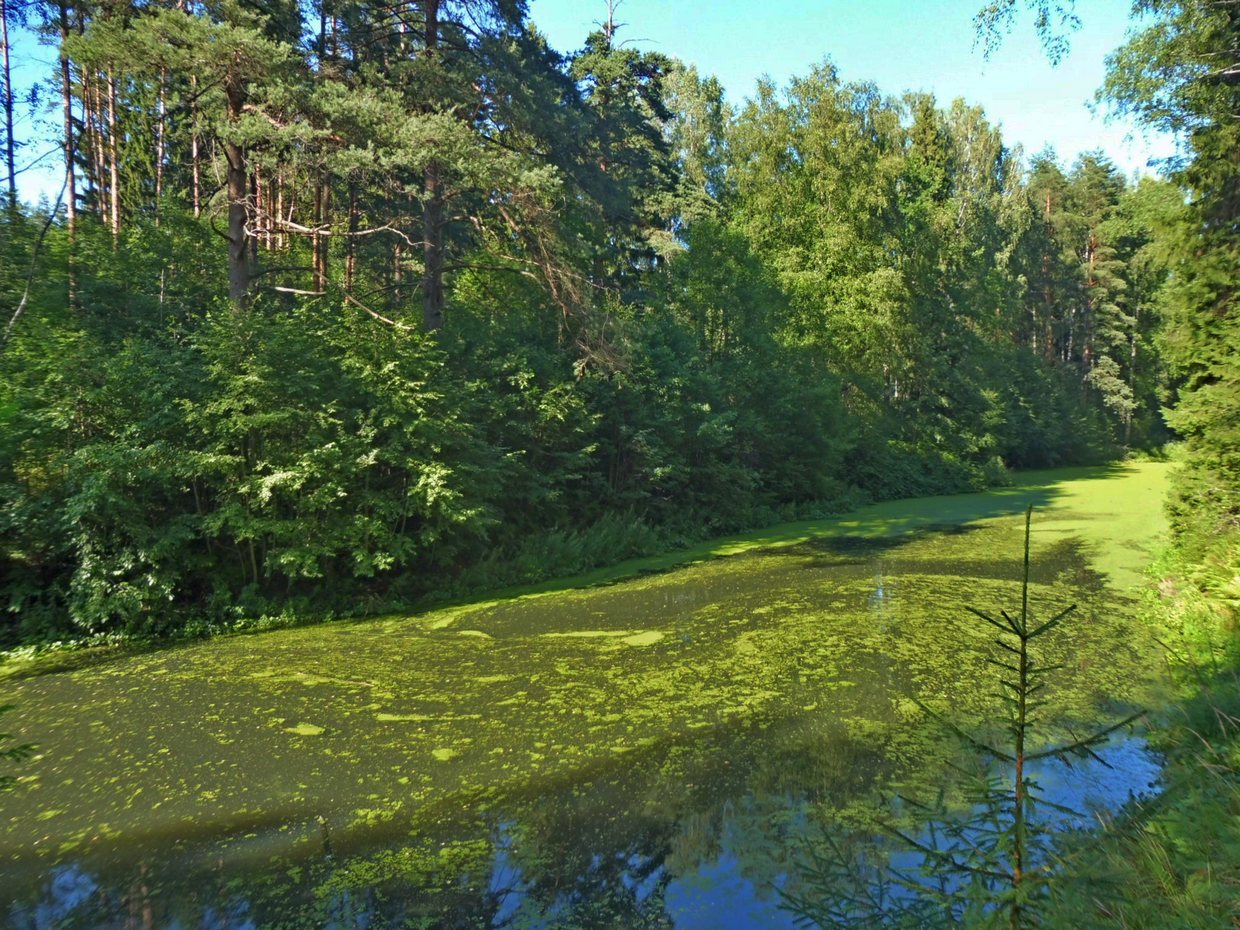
x,y
195,160
238,189
114,168
432,209
66,97
254,218
1048,293
279,182
350,261
321,241
160,143
432,235
9,143
92,131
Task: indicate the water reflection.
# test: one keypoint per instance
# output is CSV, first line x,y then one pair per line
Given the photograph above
x,y
581,859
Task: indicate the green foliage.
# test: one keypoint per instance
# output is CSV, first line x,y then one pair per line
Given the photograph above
x,y
216,466
556,553
645,317
1179,74
1054,21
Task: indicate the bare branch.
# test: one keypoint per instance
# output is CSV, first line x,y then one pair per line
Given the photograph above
x,y
34,261
378,316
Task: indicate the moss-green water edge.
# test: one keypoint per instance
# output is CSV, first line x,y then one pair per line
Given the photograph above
x,y
885,519
881,520
1172,861
447,623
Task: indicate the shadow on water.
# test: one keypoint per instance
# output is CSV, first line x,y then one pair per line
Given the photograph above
x,y
884,520
846,549
1064,561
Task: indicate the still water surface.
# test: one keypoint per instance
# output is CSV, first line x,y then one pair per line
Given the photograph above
x,y
651,753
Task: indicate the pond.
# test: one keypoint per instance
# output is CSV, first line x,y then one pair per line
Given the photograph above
x,y
652,752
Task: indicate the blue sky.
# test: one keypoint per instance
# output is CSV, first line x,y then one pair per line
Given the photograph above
x,y
924,45
911,45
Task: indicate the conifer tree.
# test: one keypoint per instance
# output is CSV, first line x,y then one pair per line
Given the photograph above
x,y
1182,74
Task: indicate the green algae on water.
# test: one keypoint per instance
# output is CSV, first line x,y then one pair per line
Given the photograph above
x,y
305,729
794,662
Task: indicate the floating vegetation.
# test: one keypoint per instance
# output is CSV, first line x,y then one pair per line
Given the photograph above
x,y
647,638
305,729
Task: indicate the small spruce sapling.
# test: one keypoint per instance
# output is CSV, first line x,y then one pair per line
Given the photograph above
x,y
990,866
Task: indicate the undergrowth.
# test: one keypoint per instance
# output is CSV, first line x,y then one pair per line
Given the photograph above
x,y
1172,862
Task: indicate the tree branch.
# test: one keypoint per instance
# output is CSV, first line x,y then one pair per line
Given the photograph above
x,y
34,260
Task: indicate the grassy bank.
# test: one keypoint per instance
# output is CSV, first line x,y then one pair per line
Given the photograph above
x,y
1173,861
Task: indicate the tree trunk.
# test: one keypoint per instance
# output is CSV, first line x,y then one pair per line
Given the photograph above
x,y
1132,373
160,144
261,232
253,216
237,186
87,145
325,210
92,124
1048,294
66,80
397,277
9,144
432,235
195,177
322,43
279,182
432,209
320,242
114,173
350,262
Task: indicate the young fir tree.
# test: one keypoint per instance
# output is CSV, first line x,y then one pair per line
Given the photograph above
x,y
990,864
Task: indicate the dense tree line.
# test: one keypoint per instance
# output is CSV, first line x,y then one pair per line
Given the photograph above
x,y
353,302
1183,75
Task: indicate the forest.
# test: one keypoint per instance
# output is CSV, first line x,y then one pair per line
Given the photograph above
x,y
347,306
350,307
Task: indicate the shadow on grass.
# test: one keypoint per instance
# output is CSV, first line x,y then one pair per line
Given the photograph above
x,y
878,525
